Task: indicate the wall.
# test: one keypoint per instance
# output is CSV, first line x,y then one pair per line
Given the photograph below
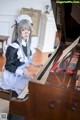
x,y
10,9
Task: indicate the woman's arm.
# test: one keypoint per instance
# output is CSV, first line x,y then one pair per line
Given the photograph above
x,y
12,61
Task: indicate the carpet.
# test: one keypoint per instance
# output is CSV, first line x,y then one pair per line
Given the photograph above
x,y
4,106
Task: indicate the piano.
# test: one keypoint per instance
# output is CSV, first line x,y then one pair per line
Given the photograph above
x,y
55,90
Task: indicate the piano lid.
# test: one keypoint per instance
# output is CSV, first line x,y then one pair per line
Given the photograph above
x,y
67,20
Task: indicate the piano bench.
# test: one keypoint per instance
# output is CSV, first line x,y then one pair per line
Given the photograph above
x,y
5,94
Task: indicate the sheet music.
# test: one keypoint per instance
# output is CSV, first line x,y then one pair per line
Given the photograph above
x,y
64,58
68,49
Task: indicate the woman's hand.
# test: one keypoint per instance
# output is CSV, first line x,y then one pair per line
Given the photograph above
x,y
29,74
37,65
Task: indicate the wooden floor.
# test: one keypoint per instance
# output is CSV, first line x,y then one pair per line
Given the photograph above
x,y
2,61
38,58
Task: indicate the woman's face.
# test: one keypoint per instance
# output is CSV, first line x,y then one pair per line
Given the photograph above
x,y
25,34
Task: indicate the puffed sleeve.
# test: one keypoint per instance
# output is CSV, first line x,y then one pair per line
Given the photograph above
x,y
12,61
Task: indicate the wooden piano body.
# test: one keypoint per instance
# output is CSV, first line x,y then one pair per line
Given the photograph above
x,y
53,95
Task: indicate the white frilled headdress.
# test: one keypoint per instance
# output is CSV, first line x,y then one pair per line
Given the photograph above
x,y
24,17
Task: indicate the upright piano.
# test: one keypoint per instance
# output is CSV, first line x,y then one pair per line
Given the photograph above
x,y
55,90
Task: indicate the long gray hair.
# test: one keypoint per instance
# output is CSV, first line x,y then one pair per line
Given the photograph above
x,y
23,24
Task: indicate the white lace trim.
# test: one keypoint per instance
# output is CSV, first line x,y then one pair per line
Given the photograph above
x,y
14,45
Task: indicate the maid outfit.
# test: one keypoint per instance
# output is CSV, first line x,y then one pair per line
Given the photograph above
x,y
16,61
13,77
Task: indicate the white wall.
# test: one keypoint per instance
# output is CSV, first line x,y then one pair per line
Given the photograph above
x,y
10,9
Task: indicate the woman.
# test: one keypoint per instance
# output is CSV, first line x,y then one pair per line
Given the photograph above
x,y
18,55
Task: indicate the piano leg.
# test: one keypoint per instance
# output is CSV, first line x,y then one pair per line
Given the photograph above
x,y
20,108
